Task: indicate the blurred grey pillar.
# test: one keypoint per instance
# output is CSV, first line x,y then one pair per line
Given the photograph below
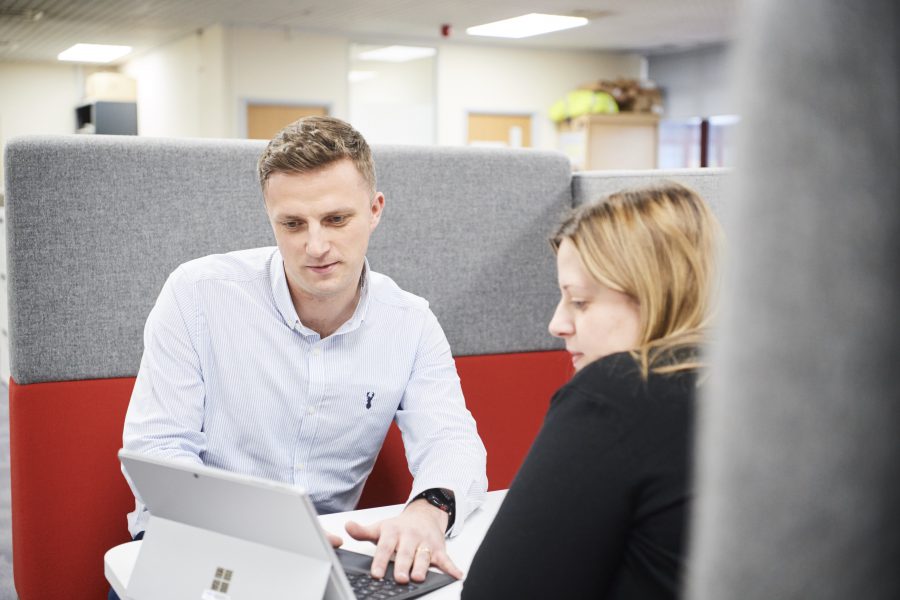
x,y
799,440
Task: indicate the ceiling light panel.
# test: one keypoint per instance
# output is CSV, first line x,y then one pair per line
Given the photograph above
x,y
527,26
93,53
397,53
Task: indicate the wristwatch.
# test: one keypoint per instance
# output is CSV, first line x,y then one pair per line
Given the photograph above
x,y
442,499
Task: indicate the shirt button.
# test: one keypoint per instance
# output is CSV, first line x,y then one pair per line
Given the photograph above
x,y
317,352
300,466
310,410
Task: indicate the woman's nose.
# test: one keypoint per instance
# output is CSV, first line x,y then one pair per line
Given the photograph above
x,y
560,325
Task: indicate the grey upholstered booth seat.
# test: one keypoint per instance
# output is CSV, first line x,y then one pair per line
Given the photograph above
x,y
799,494
90,247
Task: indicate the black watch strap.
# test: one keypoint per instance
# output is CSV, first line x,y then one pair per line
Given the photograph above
x,y
442,499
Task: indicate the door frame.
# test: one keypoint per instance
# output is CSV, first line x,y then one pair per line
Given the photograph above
x,y
244,104
532,115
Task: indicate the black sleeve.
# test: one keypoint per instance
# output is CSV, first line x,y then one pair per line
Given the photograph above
x,y
561,530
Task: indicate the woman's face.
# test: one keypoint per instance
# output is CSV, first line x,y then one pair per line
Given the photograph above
x,y
593,319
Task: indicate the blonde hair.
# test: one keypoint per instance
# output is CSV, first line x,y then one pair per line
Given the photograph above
x,y
657,245
314,142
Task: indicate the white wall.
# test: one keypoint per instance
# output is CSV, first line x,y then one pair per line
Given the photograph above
x,y
489,79
199,85
38,98
180,87
695,83
397,106
285,66
214,83
294,67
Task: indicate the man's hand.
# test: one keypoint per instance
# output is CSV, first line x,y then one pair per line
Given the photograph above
x,y
416,535
335,541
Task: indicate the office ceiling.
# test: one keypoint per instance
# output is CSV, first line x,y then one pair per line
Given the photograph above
x,y
37,30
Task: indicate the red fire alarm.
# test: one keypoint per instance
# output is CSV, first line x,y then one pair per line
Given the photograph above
x,y
446,30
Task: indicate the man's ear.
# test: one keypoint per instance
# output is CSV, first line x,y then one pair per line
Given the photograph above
x,y
377,209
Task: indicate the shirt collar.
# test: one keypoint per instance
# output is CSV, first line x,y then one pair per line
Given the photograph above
x,y
285,305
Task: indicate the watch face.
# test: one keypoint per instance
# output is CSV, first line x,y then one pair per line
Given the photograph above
x,y
441,497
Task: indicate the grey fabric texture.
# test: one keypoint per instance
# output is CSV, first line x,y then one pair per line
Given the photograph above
x,y
96,224
798,492
467,229
710,184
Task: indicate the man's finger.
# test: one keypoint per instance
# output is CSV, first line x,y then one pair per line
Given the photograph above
x,y
363,533
334,540
403,562
383,552
442,561
421,562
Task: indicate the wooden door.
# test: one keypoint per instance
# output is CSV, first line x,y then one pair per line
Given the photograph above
x,y
513,131
265,120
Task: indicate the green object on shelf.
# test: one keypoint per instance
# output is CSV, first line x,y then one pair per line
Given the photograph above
x,y
604,104
579,102
582,102
559,112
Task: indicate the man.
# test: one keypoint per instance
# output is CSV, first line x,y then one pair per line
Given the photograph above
x,y
290,363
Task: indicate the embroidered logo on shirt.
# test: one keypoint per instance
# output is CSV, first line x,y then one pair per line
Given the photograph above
x,y
369,396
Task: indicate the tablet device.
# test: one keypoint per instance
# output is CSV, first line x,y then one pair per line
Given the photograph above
x,y
217,535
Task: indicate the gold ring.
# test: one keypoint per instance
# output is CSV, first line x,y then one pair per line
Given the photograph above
x,y
423,549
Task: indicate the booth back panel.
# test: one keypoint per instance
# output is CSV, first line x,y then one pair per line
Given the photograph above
x,y
463,227
710,184
95,224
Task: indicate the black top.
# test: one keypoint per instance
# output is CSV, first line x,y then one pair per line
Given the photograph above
x,y
599,507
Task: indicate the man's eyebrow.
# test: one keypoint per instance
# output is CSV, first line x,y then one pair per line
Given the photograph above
x,y
325,215
340,211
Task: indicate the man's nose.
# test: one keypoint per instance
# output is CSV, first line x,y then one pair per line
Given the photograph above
x,y
317,243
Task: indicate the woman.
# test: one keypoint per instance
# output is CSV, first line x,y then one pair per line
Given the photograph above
x,y
599,507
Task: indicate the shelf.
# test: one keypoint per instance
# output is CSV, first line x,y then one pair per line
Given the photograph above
x,y
617,141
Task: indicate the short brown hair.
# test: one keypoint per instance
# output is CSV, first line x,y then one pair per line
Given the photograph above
x,y
659,246
311,143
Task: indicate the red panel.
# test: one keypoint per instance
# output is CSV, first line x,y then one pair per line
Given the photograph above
x,y
69,497
390,481
508,394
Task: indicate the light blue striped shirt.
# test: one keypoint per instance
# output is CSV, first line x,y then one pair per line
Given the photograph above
x,y
231,378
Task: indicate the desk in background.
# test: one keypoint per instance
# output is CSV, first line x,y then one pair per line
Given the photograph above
x,y
119,561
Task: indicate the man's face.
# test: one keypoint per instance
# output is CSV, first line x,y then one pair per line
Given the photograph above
x,y
322,222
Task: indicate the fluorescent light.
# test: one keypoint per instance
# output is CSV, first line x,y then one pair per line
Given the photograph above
x,y
397,53
724,120
357,76
93,53
527,26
